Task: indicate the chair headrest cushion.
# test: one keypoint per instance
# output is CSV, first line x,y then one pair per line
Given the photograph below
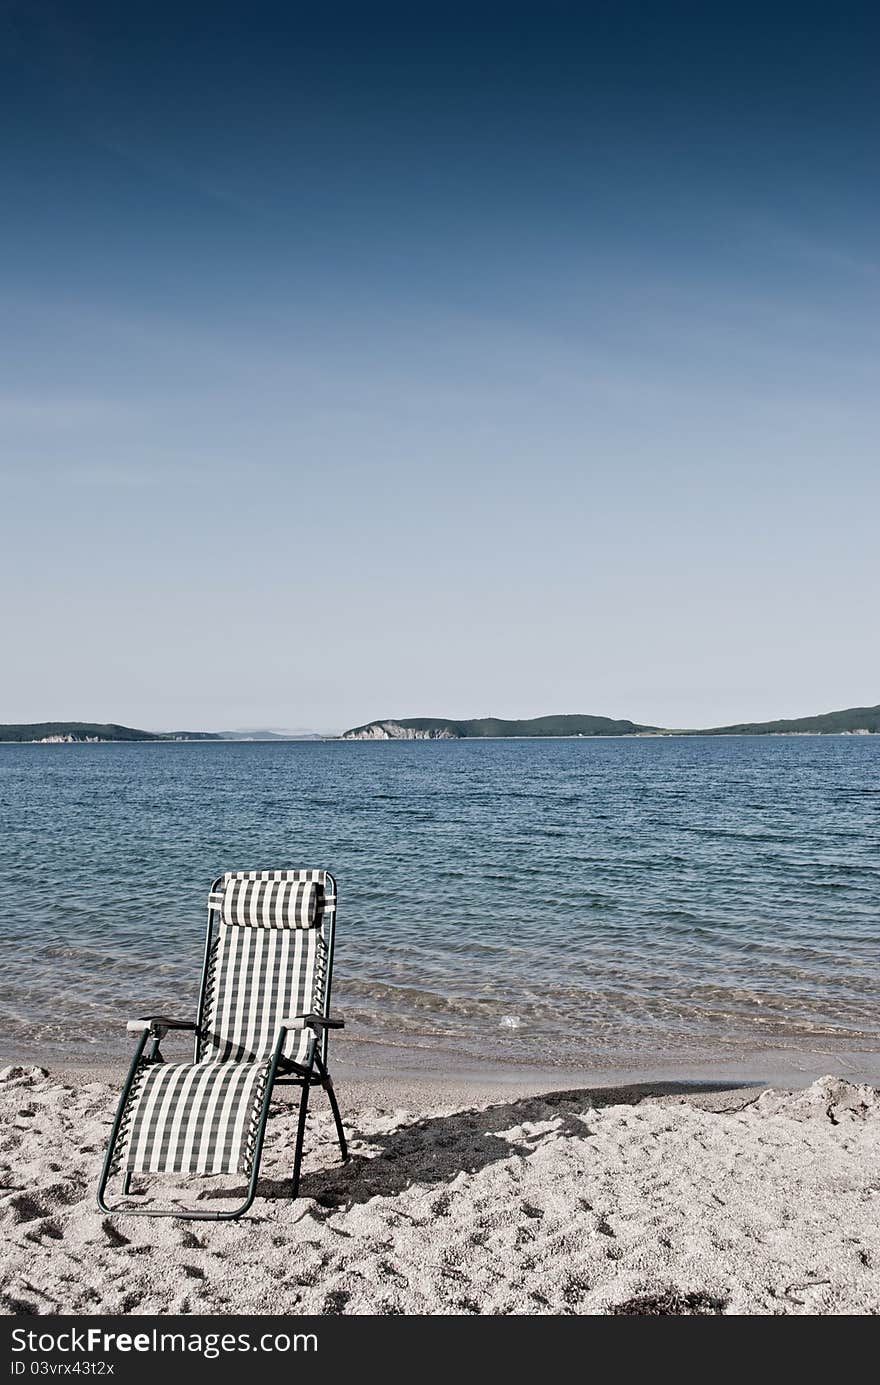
x,y
272,903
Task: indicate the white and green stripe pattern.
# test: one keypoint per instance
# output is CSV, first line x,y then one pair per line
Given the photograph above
x,y
193,1117
268,962
270,903
260,976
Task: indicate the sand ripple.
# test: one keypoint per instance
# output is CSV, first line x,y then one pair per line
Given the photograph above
x,y
567,1202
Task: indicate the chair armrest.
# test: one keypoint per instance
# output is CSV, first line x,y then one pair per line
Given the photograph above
x,y
312,1021
158,1025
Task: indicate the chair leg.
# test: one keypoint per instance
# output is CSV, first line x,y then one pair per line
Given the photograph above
x,y
300,1135
126,1183
334,1107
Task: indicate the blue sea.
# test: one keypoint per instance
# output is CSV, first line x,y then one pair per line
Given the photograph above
x,y
591,903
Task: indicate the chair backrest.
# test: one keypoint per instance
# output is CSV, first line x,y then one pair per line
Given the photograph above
x,y
269,958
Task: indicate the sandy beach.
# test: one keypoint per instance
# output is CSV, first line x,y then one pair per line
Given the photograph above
x,y
469,1199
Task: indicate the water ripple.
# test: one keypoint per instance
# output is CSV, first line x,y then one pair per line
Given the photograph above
x,y
617,899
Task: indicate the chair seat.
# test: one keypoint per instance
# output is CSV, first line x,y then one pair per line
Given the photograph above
x,y
192,1118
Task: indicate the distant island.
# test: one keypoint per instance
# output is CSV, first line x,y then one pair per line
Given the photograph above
x,y
92,733
272,736
854,721
83,732
439,729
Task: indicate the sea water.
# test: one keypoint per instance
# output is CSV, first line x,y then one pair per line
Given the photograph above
x,y
603,902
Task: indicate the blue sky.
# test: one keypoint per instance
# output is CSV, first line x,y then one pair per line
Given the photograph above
x,y
466,361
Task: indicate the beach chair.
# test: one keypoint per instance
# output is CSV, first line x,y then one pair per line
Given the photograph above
x,y
263,1018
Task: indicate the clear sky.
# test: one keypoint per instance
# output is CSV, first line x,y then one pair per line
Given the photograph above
x,y
457,360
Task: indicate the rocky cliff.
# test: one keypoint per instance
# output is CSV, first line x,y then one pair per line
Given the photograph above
x,y
393,731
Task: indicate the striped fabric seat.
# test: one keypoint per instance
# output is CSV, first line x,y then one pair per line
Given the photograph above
x,y
194,1118
267,963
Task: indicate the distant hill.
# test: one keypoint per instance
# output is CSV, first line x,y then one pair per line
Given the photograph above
x,y
188,736
84,731
438,728
852,721
270,736
75,731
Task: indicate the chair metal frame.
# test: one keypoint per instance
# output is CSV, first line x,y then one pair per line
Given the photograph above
x,y
313,1072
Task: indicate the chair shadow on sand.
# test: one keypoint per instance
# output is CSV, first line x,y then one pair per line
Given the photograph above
x,y
435,1150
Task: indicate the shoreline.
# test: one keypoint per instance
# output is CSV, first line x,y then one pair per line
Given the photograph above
x,y
387,740
363,1061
